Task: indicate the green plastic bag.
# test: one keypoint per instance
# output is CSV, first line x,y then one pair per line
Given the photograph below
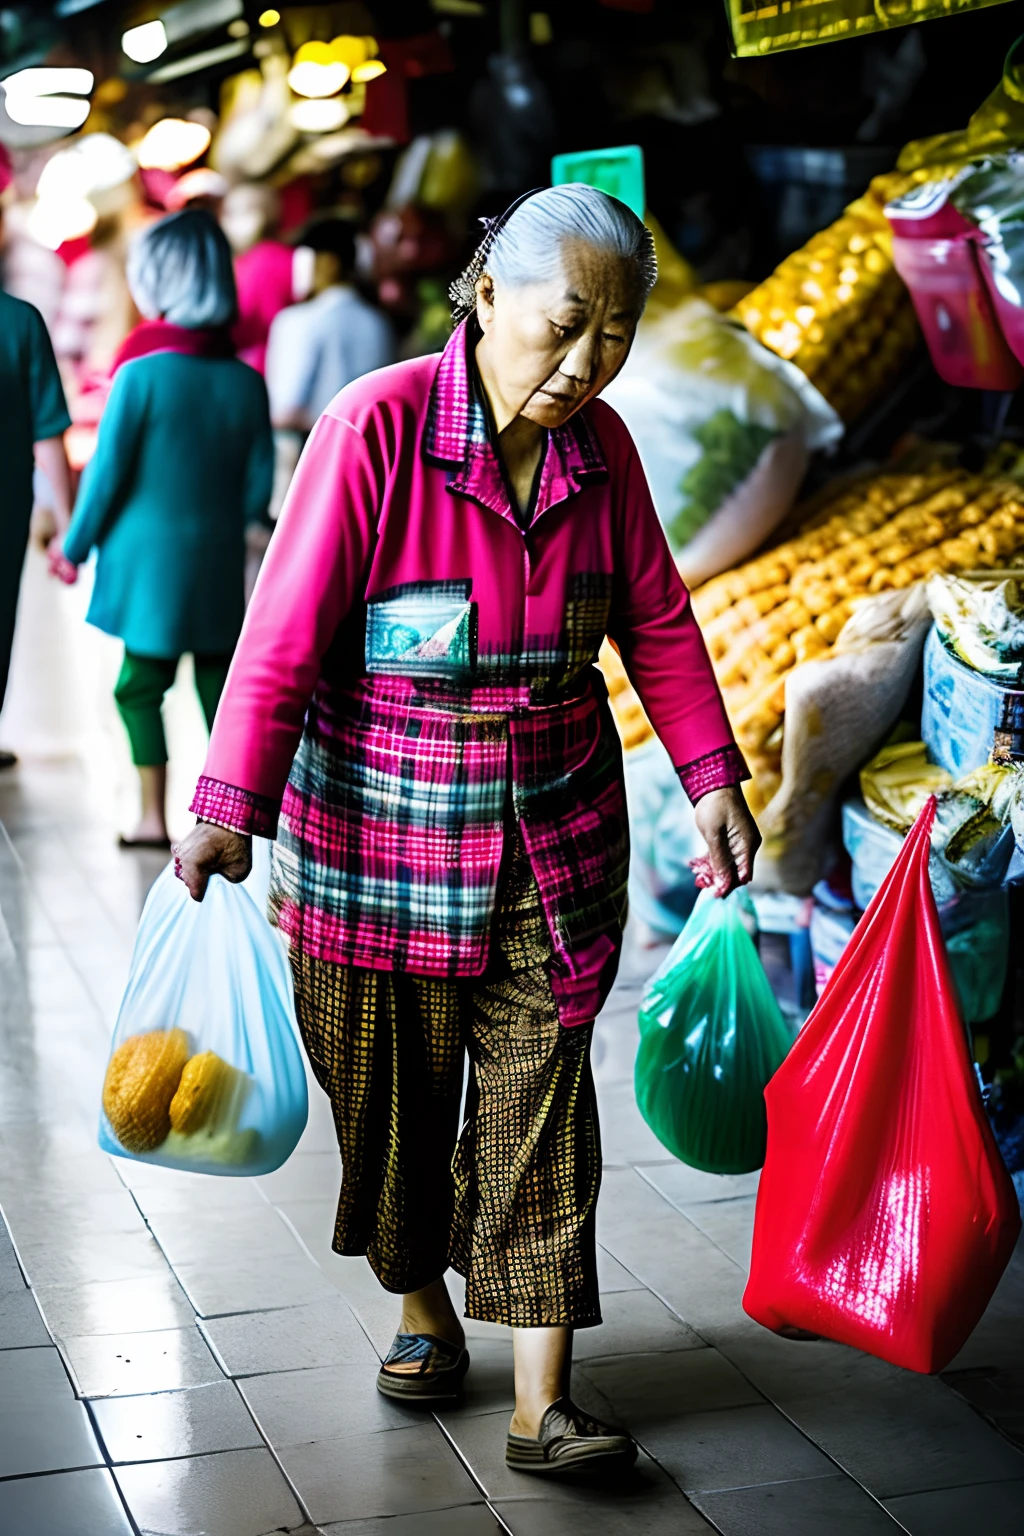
x,y
711,1035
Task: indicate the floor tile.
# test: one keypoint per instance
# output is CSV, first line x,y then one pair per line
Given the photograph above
x,y
11,1277
467,1520
635,1323
733,1448
613,1276
21,1326
42,1426
237,1234
915,1436
729,1224
38,1214
93,1256
832,1505
64,1504
648,1389
995,1508
402,1472
288,1280
167,1425
298,1407
234,1493
305,1176
293,1338
116,1306
685,1186
645,1503
489,1386
129,1364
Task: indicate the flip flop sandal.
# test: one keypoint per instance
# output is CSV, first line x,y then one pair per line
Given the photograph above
x,y
571,1443
441,1369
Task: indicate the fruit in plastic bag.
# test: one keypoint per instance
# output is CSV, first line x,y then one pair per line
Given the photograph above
x,y
210,1094
711,1035
236,1101
884,1216
142,1079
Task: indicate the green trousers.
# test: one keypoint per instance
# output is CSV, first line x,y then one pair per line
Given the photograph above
x,y
139,694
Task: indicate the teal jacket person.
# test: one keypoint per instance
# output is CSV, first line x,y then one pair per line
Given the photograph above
x,y
183,461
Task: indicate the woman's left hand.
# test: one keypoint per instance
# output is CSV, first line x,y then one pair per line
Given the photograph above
x,y
60,566
726,825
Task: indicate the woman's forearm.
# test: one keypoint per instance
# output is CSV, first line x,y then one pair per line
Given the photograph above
x,y
53,461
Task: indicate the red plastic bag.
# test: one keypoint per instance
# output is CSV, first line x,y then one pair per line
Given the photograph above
x,y
885,1215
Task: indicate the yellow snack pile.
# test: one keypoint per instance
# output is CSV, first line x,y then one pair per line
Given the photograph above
x,y
207,1095
142,1078
789,604
837,307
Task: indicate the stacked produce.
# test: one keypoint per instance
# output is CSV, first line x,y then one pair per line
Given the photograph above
x,y
837,307
790,604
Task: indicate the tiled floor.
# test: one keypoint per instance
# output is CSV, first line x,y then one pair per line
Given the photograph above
x,y
183,1356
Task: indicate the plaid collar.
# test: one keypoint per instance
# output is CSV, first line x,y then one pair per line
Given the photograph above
x,y
456,436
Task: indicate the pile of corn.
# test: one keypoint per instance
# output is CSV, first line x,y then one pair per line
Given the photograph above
x,y
789,604
837,307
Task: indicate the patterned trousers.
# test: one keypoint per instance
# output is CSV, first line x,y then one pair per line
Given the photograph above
x,y
510,1202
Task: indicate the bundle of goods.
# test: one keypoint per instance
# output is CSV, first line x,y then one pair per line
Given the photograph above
x,y
973,675
723,426
837,307
792,603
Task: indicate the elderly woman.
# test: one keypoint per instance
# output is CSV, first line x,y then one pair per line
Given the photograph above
x,y
183,462
415,697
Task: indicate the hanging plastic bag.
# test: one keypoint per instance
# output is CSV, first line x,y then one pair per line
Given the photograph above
x,y
205,1070
884,1216
711,1035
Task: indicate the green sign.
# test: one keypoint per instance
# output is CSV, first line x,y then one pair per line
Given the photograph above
x,y
619,172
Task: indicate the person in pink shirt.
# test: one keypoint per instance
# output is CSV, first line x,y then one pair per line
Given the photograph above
x,y
269,275
414,713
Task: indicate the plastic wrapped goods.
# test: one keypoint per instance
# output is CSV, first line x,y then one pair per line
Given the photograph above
x,y
885,1216
711,1035
714,414
758,29
974,922
981,622
205,1071
961,711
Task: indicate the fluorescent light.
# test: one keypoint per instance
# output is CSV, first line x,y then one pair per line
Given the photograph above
x,y
270,18
196,61
317,71
146,43
31,99
319,116
371,70
172,143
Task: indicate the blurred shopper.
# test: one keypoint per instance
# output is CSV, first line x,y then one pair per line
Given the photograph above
x,y
318,347
414,713
33,419
268,273
183,463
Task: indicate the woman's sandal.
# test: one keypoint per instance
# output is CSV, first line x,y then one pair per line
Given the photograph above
x,y
441,1369
571,1443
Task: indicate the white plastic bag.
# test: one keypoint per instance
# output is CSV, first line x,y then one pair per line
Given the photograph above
x,y
206,1070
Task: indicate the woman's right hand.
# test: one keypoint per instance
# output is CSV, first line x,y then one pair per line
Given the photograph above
x,y
210,850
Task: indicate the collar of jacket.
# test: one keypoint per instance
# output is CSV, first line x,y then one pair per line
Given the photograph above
x,y
456,437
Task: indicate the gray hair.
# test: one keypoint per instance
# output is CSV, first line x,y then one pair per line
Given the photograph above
x,y
179,269
524,245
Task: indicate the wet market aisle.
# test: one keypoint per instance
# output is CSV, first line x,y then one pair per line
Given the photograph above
x,y
184,1355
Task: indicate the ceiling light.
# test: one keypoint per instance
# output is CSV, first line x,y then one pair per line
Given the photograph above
x,y
371,70
90,165
319,116
239,28
31,99
172,143
55,220
270,18
317,71
146,43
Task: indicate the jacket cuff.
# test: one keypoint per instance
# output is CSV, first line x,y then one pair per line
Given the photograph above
x,y
715,770
239,810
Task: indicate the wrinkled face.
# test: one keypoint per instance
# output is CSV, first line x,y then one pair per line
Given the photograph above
x,y
554,345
